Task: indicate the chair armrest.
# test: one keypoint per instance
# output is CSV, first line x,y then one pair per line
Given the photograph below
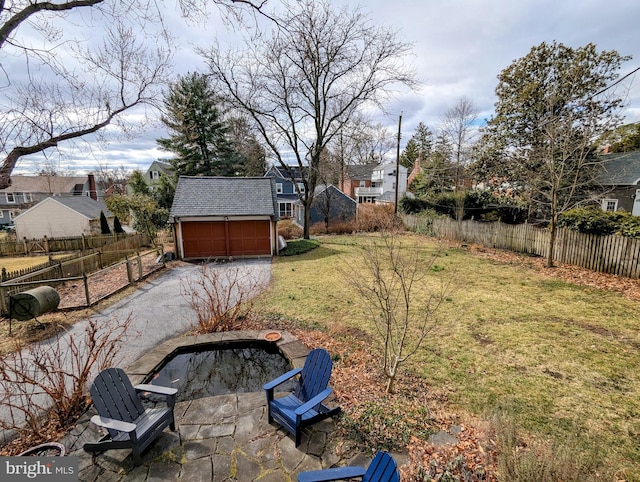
x,y
112,424
305,407
338,473
159,389
281,379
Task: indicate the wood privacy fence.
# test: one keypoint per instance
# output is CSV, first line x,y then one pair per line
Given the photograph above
x,y
607,254
46,245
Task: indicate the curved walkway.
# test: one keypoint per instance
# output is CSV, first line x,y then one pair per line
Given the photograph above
x,y
220,438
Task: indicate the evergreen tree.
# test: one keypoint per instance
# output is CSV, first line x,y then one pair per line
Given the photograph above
x,y
138,185
117,227
623,139
249,157
437,174
104,224
418,147
198,136
164,192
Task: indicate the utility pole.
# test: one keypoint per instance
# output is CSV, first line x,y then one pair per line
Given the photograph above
x,y
395,208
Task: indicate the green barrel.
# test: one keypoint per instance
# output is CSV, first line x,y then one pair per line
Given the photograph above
x,y
34,302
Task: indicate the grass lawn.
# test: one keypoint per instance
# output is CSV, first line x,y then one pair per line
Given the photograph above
x,y
562,361
21,262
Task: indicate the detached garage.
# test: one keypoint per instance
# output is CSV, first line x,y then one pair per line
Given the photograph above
x,y
218,217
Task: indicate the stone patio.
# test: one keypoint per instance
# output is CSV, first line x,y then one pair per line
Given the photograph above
x,y
219,438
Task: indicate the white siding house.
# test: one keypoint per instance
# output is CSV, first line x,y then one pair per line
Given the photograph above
x,y
58,217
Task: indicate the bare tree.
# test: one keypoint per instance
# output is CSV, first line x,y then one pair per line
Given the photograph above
x,y
392,292
304,81
112,179
61,80
457,126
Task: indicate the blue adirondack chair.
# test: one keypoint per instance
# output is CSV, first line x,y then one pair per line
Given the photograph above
x,y
120,411
381,469
304,406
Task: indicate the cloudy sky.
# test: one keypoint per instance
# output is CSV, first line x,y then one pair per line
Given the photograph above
x,y
459,48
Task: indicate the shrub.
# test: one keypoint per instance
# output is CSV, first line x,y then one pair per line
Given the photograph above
x,y
337,227
299,246
593,220
413,205
221,295
590,220
377,217
289,230
44,386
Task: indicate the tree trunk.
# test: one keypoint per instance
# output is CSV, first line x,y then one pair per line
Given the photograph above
x,y
307,218
552,241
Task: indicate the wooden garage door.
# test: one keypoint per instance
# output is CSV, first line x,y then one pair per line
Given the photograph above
x,y
205,239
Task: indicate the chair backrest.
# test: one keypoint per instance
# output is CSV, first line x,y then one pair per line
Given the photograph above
x,y
315,374
114,396
383,468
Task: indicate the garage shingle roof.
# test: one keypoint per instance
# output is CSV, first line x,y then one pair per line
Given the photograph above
x,y
224,196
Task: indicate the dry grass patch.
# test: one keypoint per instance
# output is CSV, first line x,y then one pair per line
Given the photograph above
x,y
15,263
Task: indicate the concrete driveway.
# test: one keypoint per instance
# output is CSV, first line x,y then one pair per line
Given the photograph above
x,y
157,309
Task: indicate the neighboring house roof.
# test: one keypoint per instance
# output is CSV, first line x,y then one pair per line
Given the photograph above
x,y
224,196
83,205
621,169
46,184
323,187
360,172
292,172
387,197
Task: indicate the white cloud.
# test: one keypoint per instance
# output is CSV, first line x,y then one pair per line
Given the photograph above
x,y
460,46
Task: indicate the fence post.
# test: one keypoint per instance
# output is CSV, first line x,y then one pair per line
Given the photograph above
x,y
3,300
129,273
139,266
85,278
100,259
24,245
4,274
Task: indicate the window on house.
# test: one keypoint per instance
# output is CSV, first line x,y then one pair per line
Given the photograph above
x,y
363,183
610,205
154,175
1,214
286,209
301,187
27,197
10,197
279,187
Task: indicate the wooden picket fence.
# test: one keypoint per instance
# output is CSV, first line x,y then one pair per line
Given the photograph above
x,y
612,254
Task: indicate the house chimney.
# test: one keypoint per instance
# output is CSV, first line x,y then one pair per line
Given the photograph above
x,y
93,193
414,172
